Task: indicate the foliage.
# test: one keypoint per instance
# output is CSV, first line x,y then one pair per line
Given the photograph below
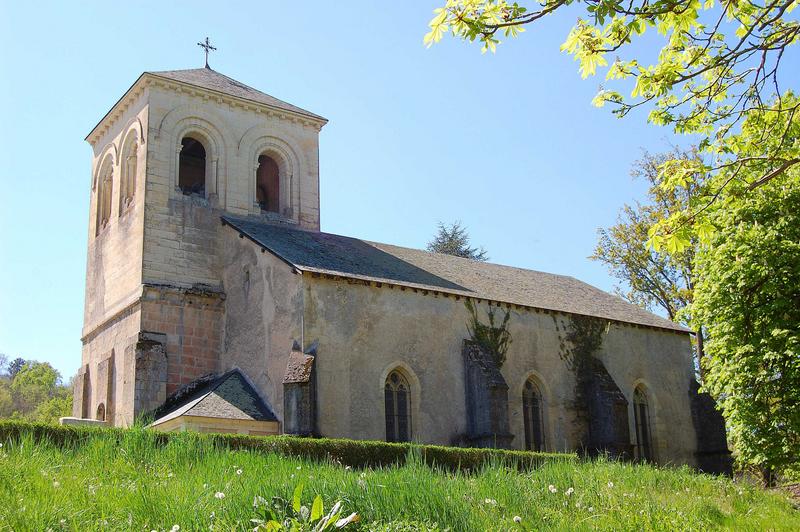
x,y
453,239
492,337
719,64
748,296
34,392
654,279
15,366
132,480
299,517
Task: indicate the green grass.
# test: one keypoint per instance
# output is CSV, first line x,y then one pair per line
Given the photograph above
x,y
137,482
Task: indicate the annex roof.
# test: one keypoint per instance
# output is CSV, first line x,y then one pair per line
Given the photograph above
x,y
210,79
229,396
326,253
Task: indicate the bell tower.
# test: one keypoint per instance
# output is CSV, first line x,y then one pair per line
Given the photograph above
x,y
176,152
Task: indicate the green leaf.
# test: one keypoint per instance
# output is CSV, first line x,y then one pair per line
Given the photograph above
x,y
298,492
316,508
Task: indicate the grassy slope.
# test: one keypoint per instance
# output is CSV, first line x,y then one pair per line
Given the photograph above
x,y
137,485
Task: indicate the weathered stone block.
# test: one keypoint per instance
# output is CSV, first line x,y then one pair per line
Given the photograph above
x,y
487,399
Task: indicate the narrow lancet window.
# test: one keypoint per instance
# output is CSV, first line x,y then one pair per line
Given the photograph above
x,y
397,398
104,191
268,184
641,416
532,416
192,167
128,177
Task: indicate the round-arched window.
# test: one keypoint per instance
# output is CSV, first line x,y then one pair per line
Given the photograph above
x,y
192,167
641,416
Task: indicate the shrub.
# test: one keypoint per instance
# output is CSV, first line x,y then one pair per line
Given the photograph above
x,y
353,453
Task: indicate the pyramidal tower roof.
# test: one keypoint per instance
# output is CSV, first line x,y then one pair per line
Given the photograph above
x,y
207,78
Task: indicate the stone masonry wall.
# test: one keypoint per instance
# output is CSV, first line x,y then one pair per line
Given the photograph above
x,y
182,232
364,331
192,323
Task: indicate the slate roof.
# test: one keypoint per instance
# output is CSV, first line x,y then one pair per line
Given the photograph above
x,y
327,253
229,396
207,78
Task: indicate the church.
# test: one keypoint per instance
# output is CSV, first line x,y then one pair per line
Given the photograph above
x,y
215,303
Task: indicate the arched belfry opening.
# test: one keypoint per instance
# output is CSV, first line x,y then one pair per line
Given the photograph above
x,y
192,167
397,405
129,168
268,183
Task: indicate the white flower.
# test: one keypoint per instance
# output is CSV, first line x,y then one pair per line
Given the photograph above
x,y
62,522
552,489
591,508
299,468
347,468
610,484
219,495
175,528
238,471
490,501
569,492
577,505
517,519
56,483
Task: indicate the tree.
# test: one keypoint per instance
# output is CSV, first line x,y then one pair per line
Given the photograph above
x,y
653,279
453,239
15,366
34,384
719,64
748,296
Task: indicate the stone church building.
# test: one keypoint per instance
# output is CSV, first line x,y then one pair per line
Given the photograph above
x,y
215,303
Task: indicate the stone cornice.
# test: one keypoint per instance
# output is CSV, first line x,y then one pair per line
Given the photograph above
x,y
148,79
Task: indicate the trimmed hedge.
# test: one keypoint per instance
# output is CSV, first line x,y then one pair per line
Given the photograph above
x,y
353,453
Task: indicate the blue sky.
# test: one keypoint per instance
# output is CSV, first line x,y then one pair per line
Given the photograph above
x,y
509,144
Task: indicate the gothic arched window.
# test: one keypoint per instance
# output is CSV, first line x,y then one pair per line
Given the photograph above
x,y
397,396
641,416
104,190
532,413
128,175
192,167
268,184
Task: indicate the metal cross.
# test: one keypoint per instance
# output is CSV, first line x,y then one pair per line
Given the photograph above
x,y
207,47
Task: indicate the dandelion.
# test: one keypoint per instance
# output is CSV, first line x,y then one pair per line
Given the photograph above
x,y
238,471
219,495
175,528
552,489
517,519
610,484
577,505
569,492
56,483
591,509
491,502
299,468
62,522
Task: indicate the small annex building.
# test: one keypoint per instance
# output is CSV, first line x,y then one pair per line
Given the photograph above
x,y
214,302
